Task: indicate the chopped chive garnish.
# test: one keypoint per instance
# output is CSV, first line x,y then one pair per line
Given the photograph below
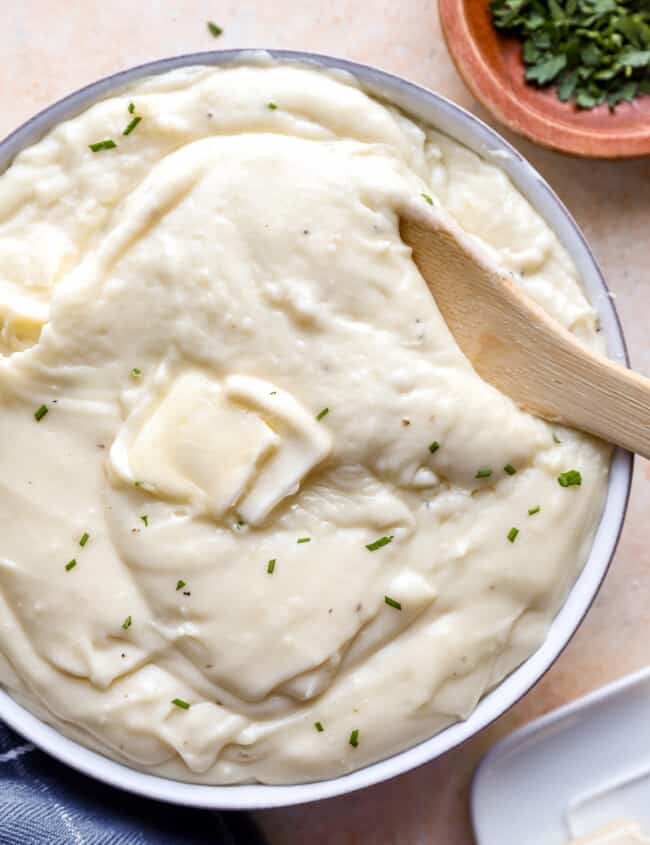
x,y
38,415
270,566
323,413
377,544
484,473
84,539
509,469
533,511
179,585
127,623
131,108
271,106
138,483
98,146
184,705
136,371
131,125
433,447
274,393
428,198
303,540
70,565
512,534
393,602
570,478
145,518
556,439
214,29
319,727
354,738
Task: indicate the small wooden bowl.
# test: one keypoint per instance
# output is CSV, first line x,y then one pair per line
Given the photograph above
x,y
492,67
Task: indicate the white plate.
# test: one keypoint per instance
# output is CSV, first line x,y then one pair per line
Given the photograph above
x,y
570,772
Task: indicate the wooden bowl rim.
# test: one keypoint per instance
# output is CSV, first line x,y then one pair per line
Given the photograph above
x,y
489,89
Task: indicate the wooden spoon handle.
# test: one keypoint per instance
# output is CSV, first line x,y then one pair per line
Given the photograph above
x,y
516,346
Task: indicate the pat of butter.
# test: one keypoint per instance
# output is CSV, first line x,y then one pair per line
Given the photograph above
x,y
618,833
244,446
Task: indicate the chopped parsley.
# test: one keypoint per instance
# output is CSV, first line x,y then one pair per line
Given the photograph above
x,y
377,544
40,413
127,623
274,393
512,534
592,51
427,198
131,125
136,371
70,565
271,106
393,603
570,478
84,539
322,414
319,727
184,705
98,146
354,738
179,585
145,519
131,108
433,447
556,439
484,473
270,567
533,511
214,29
509,469
303,540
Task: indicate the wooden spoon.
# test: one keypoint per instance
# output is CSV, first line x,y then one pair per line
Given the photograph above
x,y
516,346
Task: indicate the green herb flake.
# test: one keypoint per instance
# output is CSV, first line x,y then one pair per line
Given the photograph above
x,y
486,472
40,413
433,447
593,51
510,469
84,539
570,478
377,544
127,623
319,727
427,198
393,603
303,540
322,414
180,584
354,738
145,519
533,511
184,705
556,439
98,146
131,125
270,567
131,108
214,29
136,371
70,565
512,534
271,106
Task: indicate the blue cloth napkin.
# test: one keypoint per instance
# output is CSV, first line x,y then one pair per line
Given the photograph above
x,y
44,802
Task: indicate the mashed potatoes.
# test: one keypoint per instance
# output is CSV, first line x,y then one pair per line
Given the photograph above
x,y
257,508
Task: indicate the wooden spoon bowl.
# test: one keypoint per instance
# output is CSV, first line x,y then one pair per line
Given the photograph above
x,y
492,67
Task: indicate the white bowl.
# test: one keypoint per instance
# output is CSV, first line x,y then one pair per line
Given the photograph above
x,y
468,130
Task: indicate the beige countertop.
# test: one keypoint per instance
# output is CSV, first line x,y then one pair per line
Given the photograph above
x,y
52,47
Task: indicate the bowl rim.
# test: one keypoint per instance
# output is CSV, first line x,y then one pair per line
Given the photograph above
x,y
473,133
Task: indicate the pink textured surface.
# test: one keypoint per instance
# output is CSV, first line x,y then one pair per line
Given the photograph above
x,y
51,47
